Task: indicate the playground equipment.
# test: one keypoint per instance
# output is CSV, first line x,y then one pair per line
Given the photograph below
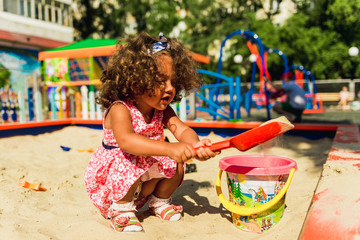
x,y
75,70
208,95
257,48
70,77
260,98
313,101
281,54
218,90
71,74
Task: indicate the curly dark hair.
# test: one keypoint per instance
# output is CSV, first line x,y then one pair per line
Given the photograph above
x,y
132,70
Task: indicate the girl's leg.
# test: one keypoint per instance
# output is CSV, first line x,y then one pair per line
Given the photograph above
x,y
147,189
160,202
160,187
167,186
123,217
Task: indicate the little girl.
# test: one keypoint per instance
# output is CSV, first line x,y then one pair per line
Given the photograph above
x,y
134,165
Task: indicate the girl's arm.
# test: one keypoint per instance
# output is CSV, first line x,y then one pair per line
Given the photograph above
x,y
184,133
180,130
119,120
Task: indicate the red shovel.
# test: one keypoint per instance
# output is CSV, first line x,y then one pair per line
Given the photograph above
x,y
255,136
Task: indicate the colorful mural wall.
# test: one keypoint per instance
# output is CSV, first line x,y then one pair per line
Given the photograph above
x,y
23,67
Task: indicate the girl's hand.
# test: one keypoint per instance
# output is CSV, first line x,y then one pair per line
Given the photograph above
x,y
181,152
203,152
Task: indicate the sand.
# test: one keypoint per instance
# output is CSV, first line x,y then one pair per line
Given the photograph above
x,y
64,211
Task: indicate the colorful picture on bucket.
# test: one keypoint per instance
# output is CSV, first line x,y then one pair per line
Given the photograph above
x,y
254,191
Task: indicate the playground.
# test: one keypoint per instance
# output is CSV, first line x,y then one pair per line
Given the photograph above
x,y
57,128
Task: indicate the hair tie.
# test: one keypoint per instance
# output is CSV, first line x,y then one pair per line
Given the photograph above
x,y
159,46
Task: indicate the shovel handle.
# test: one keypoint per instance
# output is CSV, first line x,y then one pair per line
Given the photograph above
x,y
218,146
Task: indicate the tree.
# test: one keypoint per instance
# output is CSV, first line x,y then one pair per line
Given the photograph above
x,y
160,16
320,34
208,23
343,18
317,36
98,19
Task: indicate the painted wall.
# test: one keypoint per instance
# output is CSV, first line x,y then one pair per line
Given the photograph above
x,y
23,68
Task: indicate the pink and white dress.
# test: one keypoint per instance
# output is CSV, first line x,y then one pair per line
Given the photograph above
x,y
111,172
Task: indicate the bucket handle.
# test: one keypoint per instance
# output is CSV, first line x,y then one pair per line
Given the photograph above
x,y
247,211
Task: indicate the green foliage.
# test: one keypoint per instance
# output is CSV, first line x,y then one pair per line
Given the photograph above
x,y
317,36
4,76
328,29
343,17
99,19
160,16
317,50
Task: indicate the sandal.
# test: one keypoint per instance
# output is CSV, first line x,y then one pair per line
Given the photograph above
x,y
125,221
168,212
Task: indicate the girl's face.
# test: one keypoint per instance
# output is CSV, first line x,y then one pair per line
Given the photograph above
x,y
163,94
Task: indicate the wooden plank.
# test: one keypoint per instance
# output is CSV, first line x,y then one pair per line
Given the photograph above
x,y
335,209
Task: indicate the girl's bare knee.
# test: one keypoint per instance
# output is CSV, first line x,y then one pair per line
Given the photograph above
x,y
148,187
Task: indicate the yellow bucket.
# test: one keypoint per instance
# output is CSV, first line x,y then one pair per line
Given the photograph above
x,y
257,187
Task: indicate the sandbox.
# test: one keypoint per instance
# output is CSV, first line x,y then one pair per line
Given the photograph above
x,y
63,211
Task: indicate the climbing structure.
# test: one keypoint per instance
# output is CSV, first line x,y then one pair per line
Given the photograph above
x,y
256,47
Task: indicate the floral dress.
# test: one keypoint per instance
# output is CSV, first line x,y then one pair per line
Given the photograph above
x,y
111,172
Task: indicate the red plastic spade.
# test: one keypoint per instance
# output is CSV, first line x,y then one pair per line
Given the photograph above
x,y
255,136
